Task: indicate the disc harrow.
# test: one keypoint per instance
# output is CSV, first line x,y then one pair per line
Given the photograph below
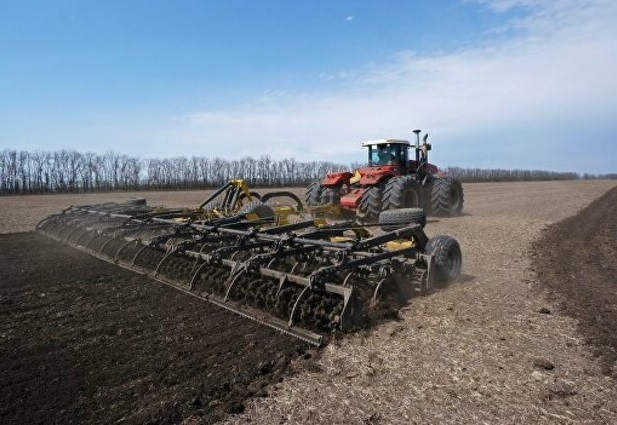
x,y
306,279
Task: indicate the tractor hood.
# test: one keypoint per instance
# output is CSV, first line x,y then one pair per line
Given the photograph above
x,y
368,176
374,175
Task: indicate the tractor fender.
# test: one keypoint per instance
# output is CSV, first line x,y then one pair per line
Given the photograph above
x,y
373,179
337,179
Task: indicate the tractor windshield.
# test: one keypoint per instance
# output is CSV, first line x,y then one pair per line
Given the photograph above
x,y
387,154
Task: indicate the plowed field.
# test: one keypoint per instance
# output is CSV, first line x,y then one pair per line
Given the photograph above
x,y
85,341
523,337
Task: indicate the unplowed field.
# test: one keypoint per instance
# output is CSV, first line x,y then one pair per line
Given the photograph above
x,y
83,341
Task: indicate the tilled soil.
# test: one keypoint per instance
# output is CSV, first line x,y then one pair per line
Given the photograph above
x,y
85,341
576,261
491,348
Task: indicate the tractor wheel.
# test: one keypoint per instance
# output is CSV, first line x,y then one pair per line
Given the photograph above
x,y
402,192
446,196
370,204
254,195
395,219
257,207
331,195
448,257
312,196
286,196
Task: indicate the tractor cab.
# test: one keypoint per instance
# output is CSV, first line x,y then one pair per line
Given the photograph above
x,y
387,152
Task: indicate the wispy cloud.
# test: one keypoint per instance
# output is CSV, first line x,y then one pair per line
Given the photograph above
x,y
525,101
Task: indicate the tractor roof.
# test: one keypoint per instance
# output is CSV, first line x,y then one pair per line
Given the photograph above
x,y
385,142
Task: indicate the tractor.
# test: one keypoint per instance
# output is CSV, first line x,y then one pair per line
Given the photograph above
x,y
391,180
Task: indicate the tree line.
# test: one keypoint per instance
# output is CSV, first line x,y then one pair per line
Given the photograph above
x,y
71,171
501,175
24,172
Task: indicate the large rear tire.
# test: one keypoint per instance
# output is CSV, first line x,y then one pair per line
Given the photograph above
x,y
448,257
370,204
331,195
313,193
402,192
446,196
396,219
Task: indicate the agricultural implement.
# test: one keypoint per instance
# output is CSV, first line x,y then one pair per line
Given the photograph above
x,y
306,278
390,180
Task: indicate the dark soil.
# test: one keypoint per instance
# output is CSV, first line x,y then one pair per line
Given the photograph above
x,y
84,341
576,260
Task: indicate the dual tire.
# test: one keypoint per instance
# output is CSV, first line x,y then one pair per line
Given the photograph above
x,y
442,197
446,197
402,192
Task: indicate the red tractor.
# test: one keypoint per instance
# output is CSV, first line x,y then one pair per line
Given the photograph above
x,y
390,181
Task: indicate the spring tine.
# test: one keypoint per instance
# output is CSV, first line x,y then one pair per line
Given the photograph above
x,y
158,266
296,304
232,281
93,236
105,244
283,282
142,249
349,310
121,249
86,231
194,276
42,224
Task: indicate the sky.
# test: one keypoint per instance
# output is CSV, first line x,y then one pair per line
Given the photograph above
x,y
515,84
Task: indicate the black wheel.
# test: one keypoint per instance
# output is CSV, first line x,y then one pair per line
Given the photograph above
x,y
257,207
370,203
402,192
313,193
448,257
331,195
395,219
285,195
254,195
446,196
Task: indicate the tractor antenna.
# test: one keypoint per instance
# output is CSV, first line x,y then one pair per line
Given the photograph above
x,y
417,145
417,136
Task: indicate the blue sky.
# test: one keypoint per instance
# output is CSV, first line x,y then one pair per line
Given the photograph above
x,y
496,83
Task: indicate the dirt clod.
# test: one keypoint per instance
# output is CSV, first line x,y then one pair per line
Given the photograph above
x,y
564,388
545,364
